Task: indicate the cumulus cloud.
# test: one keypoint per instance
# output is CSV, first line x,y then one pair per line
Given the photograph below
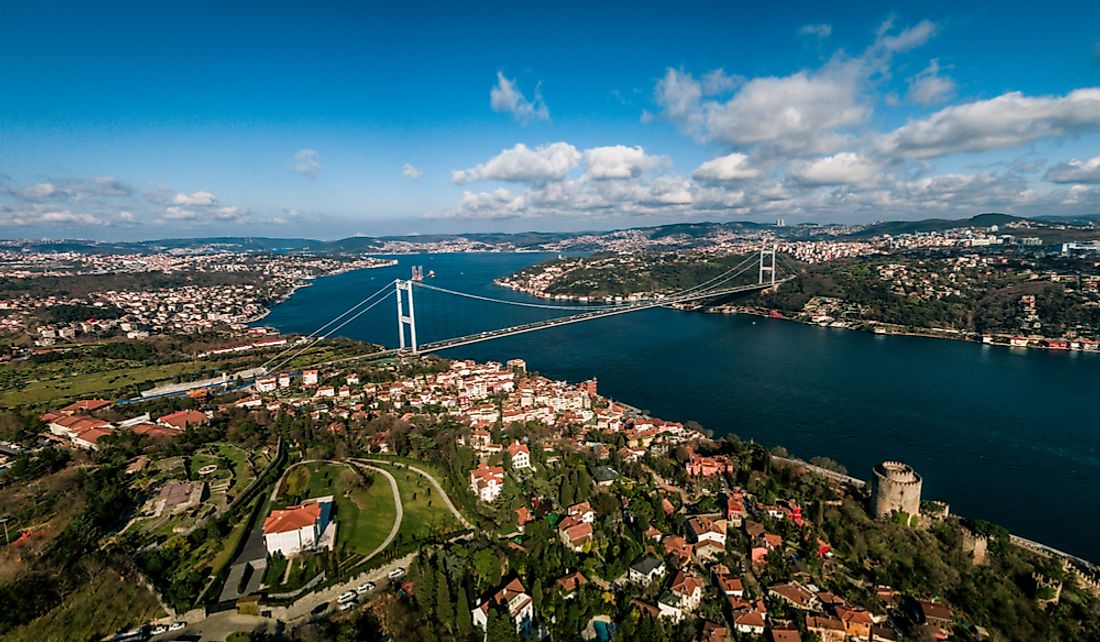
x,y
733,167
506,97
808,110
521,164
410,172
1008,120
617,161
1075,171
106,201
844,168
196,199
818,31
929,87
307,162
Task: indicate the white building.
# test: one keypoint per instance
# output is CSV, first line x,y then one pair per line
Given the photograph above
x,y
515,599
520,454
487,482
306,526
309,378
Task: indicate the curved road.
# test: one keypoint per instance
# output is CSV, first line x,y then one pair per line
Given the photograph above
x,y
218,625
434,482
396,502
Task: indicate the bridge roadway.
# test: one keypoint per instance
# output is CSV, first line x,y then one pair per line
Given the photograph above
x,y
436,346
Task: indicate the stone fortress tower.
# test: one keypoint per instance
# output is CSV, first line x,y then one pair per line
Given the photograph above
x,y
895,488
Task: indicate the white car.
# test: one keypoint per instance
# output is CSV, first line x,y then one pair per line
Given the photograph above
x,y
158,629
347,596
365,588
347,605
177,626
397,573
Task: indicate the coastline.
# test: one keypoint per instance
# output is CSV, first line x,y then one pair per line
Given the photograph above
x,y
872,326
893,330
307,282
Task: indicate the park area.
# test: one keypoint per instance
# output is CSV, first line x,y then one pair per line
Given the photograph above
x,y
363,509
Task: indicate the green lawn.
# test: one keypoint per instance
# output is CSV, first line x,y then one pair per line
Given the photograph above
x,y
107,604
364,511
237,460
426,513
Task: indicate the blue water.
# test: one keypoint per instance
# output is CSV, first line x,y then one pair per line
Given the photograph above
x,y
1006,435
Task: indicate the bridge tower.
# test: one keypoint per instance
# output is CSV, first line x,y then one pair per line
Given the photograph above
x,y
767,265
405,291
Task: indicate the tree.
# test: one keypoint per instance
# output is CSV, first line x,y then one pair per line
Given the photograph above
x,y
463,616
444,606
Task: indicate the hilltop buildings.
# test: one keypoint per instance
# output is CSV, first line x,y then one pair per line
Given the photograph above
x,y
306,526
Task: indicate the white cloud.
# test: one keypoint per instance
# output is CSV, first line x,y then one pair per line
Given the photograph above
x,y
410,172
733,167
796,111
818,31
844,168
522,164
196,199
929,87
307,162
617,161
65,216
908,39
499,203
1008,120
39,191
1075,171
506,97
807,112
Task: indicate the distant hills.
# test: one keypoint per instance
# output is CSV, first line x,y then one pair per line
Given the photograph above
x,y
530,240
894,228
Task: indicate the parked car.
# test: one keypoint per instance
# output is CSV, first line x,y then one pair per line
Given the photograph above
x,y
347,596
397,573
177,626
347,605
366,587
158,629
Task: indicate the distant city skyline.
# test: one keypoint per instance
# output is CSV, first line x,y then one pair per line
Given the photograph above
x,y
129,120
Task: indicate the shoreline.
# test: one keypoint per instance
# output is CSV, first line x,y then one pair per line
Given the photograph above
x,y
1033,343
307,282
888,329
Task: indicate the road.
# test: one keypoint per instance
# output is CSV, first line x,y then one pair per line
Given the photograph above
x,y
396,502
322,603
434,482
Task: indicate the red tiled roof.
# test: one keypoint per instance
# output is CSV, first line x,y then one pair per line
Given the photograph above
x,y
183,418
292,518
85,405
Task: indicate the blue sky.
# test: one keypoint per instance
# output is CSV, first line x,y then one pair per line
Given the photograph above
x,y
144,120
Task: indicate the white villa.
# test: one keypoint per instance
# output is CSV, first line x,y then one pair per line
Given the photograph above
x,y
304,527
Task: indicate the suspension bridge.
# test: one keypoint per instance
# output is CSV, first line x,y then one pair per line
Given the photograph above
x,y
722,286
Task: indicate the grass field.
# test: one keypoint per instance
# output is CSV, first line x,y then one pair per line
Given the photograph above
x,y
364,513
426,513
105,605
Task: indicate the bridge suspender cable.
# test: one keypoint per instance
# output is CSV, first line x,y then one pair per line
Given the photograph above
x,y
723,276
318,337
545,306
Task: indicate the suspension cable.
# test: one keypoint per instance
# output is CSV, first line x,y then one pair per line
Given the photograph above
x,y
705,284
545,306
316,339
